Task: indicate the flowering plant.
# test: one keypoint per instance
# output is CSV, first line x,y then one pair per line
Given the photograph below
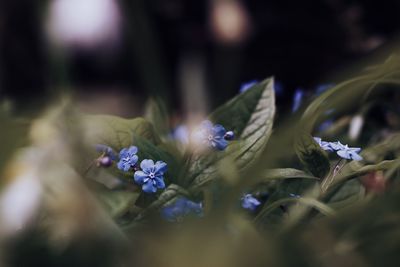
x,y
231,171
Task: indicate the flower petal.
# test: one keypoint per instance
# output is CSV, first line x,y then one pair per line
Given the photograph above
x,y
159,182
220,143
344,154
123,153
133,160
148,187
133,150
123,166
355,156
337,145
139,177
218,130
160,167
147,165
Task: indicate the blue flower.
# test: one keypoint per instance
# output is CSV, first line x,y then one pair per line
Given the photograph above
x,y
343,151
107,151
350,153
336,145
249,202
127,158
294,195
297,99
247,85
181,208
151,177
212,135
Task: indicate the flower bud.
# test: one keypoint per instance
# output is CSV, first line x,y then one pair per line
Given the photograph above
x,y
229,135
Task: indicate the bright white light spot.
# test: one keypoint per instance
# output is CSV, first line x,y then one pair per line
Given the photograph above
x,y
230,22
84,23
19,202
356,125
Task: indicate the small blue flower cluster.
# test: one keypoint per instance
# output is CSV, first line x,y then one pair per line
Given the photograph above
x,y
214,136
343,151
150,175
180,208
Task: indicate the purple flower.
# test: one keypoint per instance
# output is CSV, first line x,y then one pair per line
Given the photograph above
x,y
127,158
151,177
249,202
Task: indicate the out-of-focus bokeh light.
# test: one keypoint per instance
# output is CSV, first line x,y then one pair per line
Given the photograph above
x,y
21,198
84,23
230,22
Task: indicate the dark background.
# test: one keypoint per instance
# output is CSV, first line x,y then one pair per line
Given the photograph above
x,y
301,43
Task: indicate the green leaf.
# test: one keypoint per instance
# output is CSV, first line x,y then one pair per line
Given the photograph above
x,y
268,209
351,192
250,115
246,109
117,203
352,92
156,113
355,169
287,173
311,155
117,132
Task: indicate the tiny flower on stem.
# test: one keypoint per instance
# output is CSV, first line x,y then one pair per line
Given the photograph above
x,y
106,150
343,151
127,158
151,177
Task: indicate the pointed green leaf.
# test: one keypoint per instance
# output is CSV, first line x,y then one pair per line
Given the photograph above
x,y
156,113
250,115
117,132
